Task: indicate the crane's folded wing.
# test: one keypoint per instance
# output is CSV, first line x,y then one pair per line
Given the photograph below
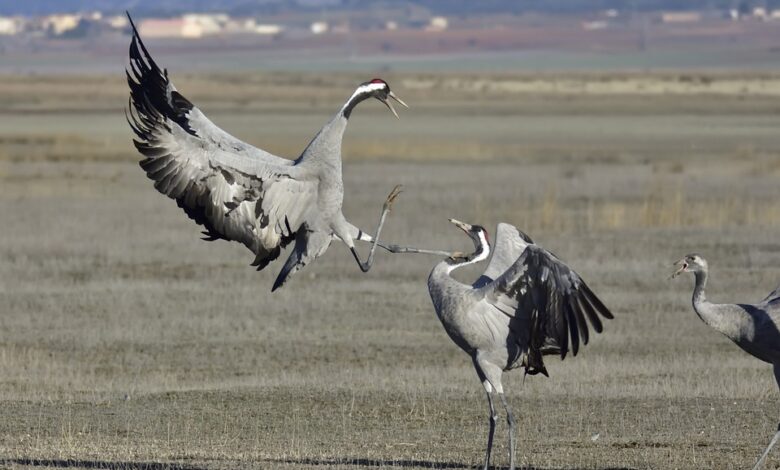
x,y
508,246
236,191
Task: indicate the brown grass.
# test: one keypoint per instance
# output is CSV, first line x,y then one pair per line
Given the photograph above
x,y
126,342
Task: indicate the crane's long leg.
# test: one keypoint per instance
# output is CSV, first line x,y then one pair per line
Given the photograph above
x,y
411,249
777,433
493,415
768,448
511,422
385,209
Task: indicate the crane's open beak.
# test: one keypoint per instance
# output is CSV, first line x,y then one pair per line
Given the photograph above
x,y
683,267
390,106
461,225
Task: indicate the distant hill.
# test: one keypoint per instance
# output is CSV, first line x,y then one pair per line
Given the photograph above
x,y
445,7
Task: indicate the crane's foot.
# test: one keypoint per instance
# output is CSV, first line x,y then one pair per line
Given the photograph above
x,y
398,189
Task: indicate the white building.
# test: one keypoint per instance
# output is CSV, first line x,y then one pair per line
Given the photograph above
x,y
205,24
60,24
9,26
118,22
267,29
681,17
437,23
162,28
319,27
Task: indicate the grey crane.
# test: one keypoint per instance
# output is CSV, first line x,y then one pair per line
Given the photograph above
x,y
753,327
527,304
241,193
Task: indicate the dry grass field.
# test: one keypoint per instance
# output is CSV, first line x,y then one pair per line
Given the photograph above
x,y
128,343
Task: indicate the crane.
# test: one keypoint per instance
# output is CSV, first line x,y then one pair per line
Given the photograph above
x,y
241,193
753,327
527,304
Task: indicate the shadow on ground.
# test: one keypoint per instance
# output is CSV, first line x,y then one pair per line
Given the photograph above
x,y
363,462
98,464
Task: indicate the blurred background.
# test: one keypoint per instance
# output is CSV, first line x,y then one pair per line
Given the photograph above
x,y
619,134
424,35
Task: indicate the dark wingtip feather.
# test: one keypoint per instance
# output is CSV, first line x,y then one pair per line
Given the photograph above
x,y
580,316
563,330
132,24
586,307
573,328
151,93
602,309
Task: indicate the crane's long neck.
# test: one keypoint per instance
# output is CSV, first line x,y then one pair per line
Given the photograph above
x,y
699,296
706,310
362,93
326,145
443,287
441,272
728,319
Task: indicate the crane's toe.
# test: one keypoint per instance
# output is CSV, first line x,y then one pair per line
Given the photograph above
x,y
397,190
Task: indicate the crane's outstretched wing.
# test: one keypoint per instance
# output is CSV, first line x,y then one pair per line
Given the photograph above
x,y
550,302
508,246
234,190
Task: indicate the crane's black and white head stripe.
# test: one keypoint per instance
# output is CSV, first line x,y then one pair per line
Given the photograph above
x,y
376,88
481,240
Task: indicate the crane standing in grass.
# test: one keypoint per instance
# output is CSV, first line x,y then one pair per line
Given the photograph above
x,y
241,193
527,304
754,327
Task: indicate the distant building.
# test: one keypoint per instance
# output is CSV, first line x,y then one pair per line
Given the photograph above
x,y
58,25
268,29
681,17
118,22
594,25
249,25
437,23
9,26
162,28
192,30
204,24
189,26
319,27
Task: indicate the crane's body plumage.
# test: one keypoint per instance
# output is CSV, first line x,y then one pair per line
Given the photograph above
x,y
236,191
527,304
755,328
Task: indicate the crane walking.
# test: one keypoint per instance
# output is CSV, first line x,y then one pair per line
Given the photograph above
x,y
241,193
527,304
753,327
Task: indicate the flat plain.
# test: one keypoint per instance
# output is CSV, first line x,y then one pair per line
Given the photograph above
x,y
126,342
